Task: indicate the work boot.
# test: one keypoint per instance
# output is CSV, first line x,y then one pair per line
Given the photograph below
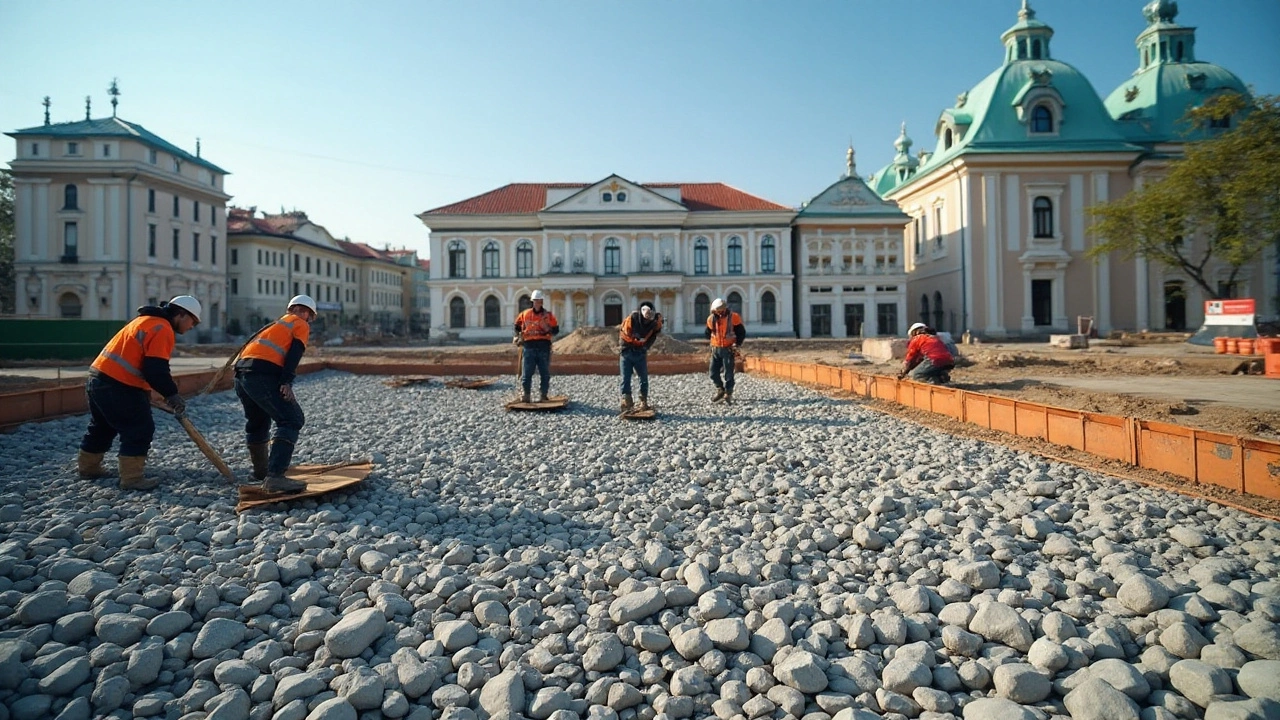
x,y
627,403
131,477
89,465
542,397
283,485
718,396
258,456
524,397
644,402
728,398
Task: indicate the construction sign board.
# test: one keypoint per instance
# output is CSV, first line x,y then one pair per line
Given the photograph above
x,y
1230,312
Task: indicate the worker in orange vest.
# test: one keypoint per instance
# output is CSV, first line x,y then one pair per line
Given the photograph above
x,y
534,329
135,362
726,333
265,372
637,333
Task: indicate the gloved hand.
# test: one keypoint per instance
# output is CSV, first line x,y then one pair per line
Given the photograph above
x,y
901,375
177,404
517,341
286,392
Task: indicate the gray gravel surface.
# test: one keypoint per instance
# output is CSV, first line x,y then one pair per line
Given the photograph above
x,y
790,556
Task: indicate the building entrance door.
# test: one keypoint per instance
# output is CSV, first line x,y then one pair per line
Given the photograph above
x,y
612,314
1042,302
855,316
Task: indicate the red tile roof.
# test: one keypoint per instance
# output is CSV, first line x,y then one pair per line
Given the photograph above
x,y
518,198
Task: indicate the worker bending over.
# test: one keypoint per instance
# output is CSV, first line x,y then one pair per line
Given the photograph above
x,y
928,359
725,331
135,362
534,329
638,332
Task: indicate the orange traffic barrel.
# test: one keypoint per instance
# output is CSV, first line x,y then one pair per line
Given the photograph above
x,y
1233,345
1267,346
1245,346
1220,345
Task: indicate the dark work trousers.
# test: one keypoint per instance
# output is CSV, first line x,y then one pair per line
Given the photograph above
x,y
260,395
117,409
927,372
722,359
537,356
637,360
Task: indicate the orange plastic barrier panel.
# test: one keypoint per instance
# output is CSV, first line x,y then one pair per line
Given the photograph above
x,y
1219,460
1167,448
948,401
1065,427
977,409
1262,468
1003,414
1109,436
1031,420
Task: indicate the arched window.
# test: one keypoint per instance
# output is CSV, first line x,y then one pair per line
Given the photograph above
x,y
1042,212
701,306
768,308
1041,119
1035,49
622,196
768,255
457,313
946,139
701,257
492,312
734,255
524,259
69,305
612,257
525,303
937,310
457,260
734,301
606,197
490,260
924,309
70,198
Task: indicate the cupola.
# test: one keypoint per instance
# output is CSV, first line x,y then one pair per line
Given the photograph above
x,y
1028,39
1164,41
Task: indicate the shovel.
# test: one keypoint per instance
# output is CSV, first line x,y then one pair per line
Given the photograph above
x,y
203,444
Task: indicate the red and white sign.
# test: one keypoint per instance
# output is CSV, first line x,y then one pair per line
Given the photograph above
x,y
1229,312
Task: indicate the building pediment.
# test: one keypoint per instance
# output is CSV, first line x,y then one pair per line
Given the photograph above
x,y
613,194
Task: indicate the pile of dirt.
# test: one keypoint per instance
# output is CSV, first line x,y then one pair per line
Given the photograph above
x,y
604,341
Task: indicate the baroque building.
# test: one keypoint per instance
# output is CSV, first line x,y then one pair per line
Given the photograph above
x,y
999,228
110,216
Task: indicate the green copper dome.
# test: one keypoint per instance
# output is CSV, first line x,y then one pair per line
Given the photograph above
x,y
1169,81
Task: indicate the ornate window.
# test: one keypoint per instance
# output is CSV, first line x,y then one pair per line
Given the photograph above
x,y
606,197
947,139
612,257
1042,215
70,198
1041,119
457,313
768,308
490,260
71,241
457,261
734,255
768,255
622,196
701,306
492,312
734,301
701,257
524,259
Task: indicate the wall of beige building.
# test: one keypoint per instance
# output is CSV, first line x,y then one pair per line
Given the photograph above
x,y
854,274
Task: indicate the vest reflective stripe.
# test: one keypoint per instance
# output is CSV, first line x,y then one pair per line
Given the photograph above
x,y
124,364
273,343
725,337
536,326
122,357
273,346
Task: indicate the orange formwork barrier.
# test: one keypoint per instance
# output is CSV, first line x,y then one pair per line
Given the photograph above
x,y
1241,464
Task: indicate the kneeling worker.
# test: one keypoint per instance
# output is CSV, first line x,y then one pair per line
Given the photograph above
x,y
638,332
264,384
534,329
928,359
135,362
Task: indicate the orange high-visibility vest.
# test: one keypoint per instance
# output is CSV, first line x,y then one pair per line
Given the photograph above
x,y
628,336
535,326
272,344
145,336
722,328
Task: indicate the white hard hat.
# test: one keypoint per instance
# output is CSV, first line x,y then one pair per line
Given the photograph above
x,y
917,326
717,304
188,303
537,295
303,300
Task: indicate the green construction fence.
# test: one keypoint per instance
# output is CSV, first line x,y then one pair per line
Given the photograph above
x,y
54,339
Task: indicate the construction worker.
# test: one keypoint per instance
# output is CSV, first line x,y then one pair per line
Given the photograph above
x,y
265,372
534,329
726,333
928,359
638,332
135,362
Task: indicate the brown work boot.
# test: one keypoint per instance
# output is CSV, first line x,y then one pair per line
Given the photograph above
x,y
542,397
627,403
89,465
718,396
258,456
524,397
283,485
131,477
728,398
644,402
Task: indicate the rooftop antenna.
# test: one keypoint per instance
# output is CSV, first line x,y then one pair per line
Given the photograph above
x,y
87,102
197,147
46,104
114,92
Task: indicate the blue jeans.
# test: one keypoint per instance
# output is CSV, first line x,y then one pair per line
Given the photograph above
x,y
927,372
722,359
259,393
539,359
117,409
638,361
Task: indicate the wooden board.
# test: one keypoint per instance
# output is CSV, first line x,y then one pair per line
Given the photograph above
x,y
320,479
407,380
554,402
639,414
471,383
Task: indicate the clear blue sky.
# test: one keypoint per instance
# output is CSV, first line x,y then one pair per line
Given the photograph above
x,y
364,114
